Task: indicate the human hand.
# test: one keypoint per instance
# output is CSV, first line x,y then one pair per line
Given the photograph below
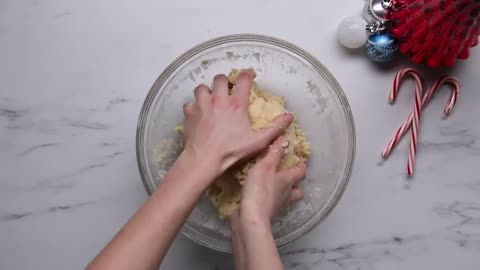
x,y
217,125
267,188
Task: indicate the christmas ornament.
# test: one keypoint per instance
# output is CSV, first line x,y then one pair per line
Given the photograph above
x,y
366,13
351,32
376,10
435,32
381,47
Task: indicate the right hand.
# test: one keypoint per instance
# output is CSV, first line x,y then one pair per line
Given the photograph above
x,y
218,127
267,188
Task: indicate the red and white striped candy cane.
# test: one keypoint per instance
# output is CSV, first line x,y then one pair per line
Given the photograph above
x,y
425,100
453,96
417,111
398,80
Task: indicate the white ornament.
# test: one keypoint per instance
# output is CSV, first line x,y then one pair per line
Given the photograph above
x,y
351,32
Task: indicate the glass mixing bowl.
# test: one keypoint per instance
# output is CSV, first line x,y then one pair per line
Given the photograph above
x,y
282,68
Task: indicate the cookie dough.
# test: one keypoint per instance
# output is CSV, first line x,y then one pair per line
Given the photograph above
x,y
264,107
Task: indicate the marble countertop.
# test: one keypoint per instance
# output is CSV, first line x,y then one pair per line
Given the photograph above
x,y
73,78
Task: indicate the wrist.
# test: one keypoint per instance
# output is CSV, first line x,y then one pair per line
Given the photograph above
x,y
205,168
250,223
212,160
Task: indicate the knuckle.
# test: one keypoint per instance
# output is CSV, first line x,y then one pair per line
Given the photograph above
x,y
218,102
245,75
187,109
294,175
234,107
200,88
258,173
297,194
300,172
267,164
288,178
276,151
236,103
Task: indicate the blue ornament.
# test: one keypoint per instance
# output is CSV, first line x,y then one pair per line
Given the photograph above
x,y
382,47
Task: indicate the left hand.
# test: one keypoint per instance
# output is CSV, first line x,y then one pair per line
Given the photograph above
x,y
217,125
268,188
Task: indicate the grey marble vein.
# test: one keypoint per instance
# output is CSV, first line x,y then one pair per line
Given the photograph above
x,y
465,232
466,212
88,125
361,255
114,102
114,155
36,147
465,141
105,144
10,217
52,209
64,181
453,137
468,185
10,114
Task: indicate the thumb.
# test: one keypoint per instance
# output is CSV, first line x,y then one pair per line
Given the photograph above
x,y
295,195
278,127
275,153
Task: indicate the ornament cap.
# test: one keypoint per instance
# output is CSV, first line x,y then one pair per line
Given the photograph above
x,y
379,9
378,27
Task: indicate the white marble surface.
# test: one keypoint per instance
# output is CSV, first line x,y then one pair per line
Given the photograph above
x,y
73,75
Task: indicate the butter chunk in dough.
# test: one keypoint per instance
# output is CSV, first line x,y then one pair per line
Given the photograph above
x,y
264,107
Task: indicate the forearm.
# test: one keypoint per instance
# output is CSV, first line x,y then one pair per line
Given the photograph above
x,y
237,242
144,240
259,245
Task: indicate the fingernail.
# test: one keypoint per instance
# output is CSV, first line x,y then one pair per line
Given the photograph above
x,y
288,117
282,139
249,70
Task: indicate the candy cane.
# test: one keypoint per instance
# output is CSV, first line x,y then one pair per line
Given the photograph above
x,y
453,96
417,111
426,98
398,80
393,96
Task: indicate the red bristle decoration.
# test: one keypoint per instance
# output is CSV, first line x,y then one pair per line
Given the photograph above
x,y
436,32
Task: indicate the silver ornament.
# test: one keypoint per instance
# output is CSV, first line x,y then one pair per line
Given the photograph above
x,y
366,14
376,10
